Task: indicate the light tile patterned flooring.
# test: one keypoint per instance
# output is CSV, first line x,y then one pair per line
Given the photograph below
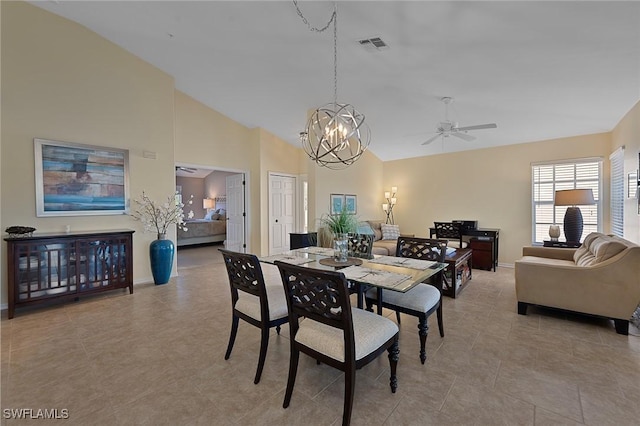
x,y
157,357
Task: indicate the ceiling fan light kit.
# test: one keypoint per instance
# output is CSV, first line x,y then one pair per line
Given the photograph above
x,y
448,128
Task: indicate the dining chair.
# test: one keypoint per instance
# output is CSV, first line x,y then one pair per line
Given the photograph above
x,y
332,331
360,245
452,232
253,300
425,298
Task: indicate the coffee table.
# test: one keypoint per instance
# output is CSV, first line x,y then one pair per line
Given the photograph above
x,y
458,272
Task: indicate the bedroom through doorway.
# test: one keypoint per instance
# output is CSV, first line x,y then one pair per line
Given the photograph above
x,y
218,204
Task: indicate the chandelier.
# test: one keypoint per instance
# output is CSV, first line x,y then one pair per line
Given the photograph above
x,y
336,134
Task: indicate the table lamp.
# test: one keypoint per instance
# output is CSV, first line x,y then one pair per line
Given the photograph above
x,y
573,217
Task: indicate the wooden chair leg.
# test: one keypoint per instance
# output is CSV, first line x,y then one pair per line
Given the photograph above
x,y
291,381
423,330
264,344
349,391
394,355
440,323
232,336
398,316
278,329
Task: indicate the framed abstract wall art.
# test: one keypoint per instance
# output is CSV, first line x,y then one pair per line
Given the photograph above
x,y
76,180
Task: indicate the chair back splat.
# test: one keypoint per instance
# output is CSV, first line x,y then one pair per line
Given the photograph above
x,y
322,299
360,245
451,231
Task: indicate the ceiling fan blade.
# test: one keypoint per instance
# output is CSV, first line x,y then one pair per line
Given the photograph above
x,y
478,127
431,139
463,136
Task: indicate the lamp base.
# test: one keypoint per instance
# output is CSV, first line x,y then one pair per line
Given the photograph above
x,y
573,224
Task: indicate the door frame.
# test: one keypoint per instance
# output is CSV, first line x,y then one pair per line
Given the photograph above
x,y
247,194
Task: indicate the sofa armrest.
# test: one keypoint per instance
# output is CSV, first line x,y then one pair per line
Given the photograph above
x,y
407,235
549,252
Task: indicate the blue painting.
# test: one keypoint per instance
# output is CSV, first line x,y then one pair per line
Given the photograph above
x,y
74,179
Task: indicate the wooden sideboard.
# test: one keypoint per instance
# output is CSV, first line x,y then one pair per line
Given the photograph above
x,y
47,267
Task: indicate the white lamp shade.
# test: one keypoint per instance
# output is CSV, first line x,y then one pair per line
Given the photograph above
x,y
394,189
387,195
574,197
208,203
385,207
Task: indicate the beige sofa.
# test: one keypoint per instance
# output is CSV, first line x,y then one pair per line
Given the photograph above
x,y
380,246
600,278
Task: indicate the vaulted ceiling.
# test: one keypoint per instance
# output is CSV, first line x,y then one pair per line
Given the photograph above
x,y
539,70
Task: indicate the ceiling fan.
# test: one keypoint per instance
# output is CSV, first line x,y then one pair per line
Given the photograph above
x,y
186,169
448,128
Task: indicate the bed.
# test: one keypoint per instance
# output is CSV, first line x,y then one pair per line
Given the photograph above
x,y
203,231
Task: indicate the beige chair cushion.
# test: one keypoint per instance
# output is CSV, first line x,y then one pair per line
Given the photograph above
x,y
370,332
249,304
421,298
456,244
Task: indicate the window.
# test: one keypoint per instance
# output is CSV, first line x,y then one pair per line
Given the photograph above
x,y
617,192
546,178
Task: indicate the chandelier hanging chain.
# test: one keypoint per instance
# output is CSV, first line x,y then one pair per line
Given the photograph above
x,y
336,134
317,30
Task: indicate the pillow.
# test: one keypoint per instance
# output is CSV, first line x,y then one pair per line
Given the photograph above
x,y
377,230
209,214
222,217
390,232
215,216
604,248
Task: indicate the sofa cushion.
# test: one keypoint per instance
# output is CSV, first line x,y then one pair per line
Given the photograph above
x,y
390,232
604,248
584,250
385,247
376,225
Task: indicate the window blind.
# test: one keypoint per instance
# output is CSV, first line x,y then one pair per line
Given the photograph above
x,y
617,192
547,178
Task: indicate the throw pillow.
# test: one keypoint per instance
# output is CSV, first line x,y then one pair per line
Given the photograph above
x,y
390,232
377,230
209,214
604,248
215,216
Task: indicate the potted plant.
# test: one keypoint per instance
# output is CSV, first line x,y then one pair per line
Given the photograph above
x,y
340,225
157,217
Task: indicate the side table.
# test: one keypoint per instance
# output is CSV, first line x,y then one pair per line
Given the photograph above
x,y
458,272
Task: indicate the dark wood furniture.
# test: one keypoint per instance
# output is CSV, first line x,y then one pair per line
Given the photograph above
x,y
302,240
560,244
450,231
245,275
484,234
58,266
425,298
332,332
360,245
482,253
458,272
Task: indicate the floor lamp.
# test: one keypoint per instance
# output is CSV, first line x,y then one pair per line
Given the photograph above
x,y
573,217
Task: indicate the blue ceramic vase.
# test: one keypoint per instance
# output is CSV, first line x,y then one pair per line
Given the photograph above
x,y
161,257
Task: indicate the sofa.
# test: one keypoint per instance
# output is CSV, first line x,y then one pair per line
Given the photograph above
x,y
381,245
600,278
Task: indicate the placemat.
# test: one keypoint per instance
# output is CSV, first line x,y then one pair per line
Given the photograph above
x,y
405,262
329,261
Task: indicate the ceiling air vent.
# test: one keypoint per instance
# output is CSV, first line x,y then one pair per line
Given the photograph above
x,y
374,43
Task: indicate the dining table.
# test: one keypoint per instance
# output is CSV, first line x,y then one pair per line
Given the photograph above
x,y
380,272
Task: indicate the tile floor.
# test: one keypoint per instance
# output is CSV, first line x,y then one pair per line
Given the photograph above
x,y
157,357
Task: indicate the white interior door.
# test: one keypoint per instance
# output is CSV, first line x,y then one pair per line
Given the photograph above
x,y
282,212
236,213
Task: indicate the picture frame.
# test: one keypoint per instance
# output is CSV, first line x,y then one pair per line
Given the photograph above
x,y
336,203
74,179
351,203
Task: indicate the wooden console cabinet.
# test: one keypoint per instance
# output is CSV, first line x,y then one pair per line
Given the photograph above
x,y
66,266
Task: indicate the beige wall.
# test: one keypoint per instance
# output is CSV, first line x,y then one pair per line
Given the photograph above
x,y
627,134
363,179
492,186
192,187
63,82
